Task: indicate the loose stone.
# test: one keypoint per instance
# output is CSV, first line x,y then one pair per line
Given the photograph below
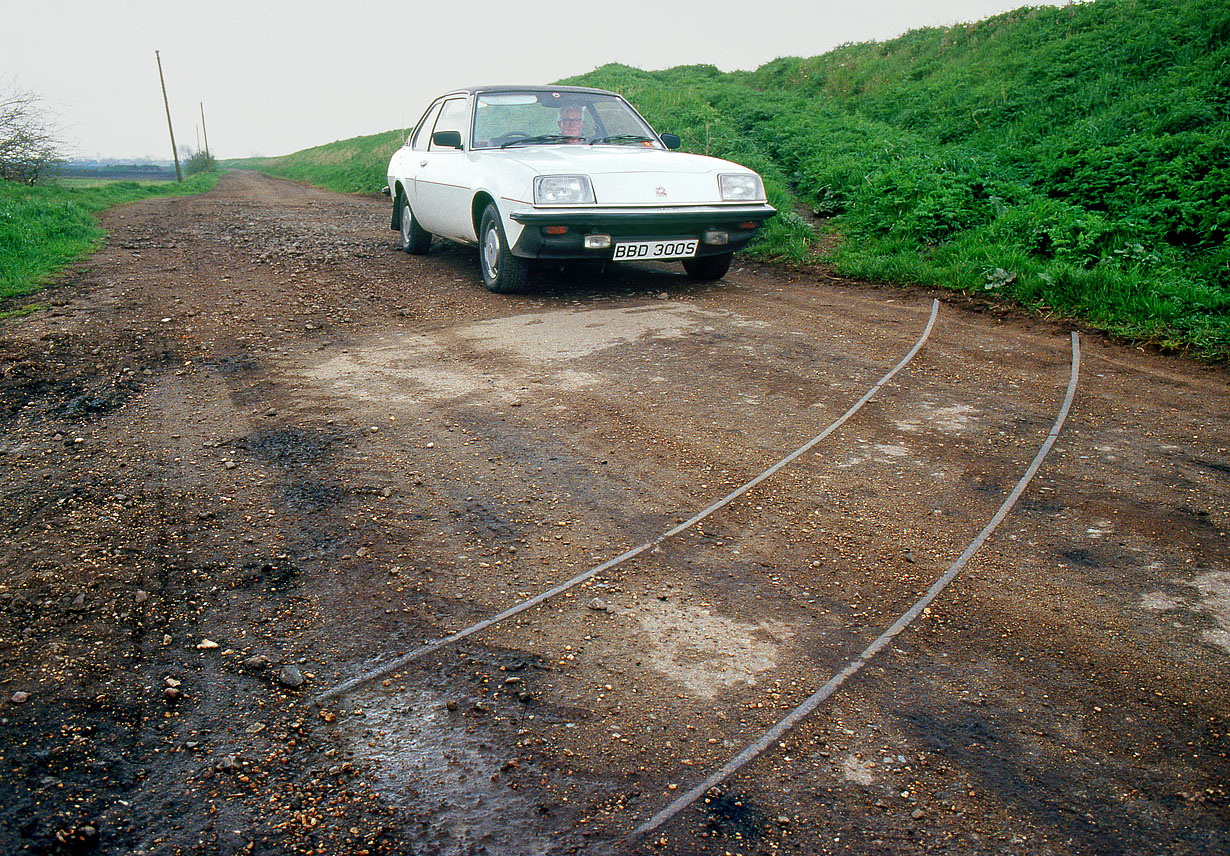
x,y
256,663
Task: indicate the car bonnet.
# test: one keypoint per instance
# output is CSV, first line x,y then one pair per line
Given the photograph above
x,y
625,175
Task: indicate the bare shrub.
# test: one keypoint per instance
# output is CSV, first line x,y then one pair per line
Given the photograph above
x,y
28,144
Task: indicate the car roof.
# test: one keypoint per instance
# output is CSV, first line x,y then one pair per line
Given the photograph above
x,y
472,90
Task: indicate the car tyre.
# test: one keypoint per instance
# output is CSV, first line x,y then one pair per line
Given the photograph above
x,y
414,238
708,268
503,272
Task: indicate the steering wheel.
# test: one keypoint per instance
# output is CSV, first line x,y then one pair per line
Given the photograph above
x,y
510,137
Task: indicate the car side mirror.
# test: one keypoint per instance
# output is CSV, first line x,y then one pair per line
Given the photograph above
x,y
671,141
446,139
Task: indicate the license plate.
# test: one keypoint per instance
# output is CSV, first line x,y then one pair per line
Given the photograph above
x,y
656,250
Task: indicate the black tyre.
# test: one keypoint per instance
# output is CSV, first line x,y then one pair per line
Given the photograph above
x,y
707,268
503,272
414,238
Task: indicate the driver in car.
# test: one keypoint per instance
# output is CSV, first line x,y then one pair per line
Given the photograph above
x,y
571,121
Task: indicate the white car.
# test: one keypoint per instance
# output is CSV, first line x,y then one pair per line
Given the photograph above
x,y
564,172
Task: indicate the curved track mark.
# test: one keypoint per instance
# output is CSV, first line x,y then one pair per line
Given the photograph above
x,y
431,647
806,708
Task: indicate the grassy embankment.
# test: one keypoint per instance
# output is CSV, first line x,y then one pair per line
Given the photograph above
x,y
1073,160
356,165
44,229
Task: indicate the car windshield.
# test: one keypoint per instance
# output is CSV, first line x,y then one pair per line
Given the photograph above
x,y
511,118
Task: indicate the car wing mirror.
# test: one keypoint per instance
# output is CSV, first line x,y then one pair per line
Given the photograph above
x,y
446,139
671,141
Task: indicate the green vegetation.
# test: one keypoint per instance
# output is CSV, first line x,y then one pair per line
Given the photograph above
x,y
45,228
1071,160
356,165
200,162
78,183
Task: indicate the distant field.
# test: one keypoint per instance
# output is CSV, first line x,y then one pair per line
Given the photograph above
x,y
117,172
78,182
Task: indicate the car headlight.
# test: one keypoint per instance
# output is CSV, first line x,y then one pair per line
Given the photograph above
x,y
741,187
562,190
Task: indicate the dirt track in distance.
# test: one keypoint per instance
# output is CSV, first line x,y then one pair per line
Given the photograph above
x,y
252,450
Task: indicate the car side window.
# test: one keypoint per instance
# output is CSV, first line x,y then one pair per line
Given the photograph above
x,y
454,116
422,134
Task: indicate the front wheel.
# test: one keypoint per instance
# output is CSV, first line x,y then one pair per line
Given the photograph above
x,y
708,268
414,238
503,272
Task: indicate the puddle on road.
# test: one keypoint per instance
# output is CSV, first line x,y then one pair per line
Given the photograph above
x,y
445,774
708,653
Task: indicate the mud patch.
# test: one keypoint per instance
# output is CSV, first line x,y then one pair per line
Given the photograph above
x,y
708,653
426,760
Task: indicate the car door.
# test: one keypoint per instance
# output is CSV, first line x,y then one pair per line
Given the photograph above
x,y
443,185
404,166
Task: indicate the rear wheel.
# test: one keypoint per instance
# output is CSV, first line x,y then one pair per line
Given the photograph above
x,y
503,272
706,268
414,238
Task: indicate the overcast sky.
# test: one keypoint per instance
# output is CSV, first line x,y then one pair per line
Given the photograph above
x,y
277,76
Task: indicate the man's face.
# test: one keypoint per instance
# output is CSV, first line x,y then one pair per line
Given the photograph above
x,y
570,122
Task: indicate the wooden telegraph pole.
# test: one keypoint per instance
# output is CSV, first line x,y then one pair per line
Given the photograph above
x,y
179,176
204,130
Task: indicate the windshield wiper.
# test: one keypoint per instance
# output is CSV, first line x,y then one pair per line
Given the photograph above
x,y
620,139
541,138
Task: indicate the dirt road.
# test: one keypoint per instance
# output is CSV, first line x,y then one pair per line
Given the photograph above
x,y
252,450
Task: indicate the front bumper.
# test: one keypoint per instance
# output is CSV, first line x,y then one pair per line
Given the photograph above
x,y
739,223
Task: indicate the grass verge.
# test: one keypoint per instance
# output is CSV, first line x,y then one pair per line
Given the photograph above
x,y
45,229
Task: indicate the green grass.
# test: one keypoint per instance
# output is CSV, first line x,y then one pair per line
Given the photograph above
x,y
1072,161
79,183
45,229
357,165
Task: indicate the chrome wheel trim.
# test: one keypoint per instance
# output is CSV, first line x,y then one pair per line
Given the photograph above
x,y
491,251
407,217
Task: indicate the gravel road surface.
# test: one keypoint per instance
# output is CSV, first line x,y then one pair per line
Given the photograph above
x,y
252,450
